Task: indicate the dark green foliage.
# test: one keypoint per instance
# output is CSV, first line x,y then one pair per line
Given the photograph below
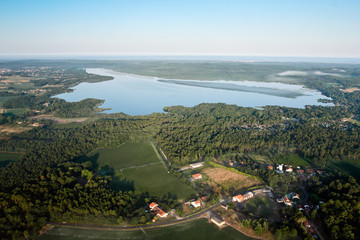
x,y
61,194
341,210
215,129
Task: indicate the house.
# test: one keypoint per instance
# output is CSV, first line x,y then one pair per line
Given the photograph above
x,y
196,176
280,167
287,201
153,205
161,213
218,221
196,165
300,171
238,198
270,168
196,204
289,170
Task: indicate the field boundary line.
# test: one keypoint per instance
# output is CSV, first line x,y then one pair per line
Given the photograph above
x,y
138,166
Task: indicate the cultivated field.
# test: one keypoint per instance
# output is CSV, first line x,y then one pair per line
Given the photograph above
x,y
199,230
229,179
137,167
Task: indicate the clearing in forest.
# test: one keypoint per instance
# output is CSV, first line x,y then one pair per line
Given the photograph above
x,y
6,158
138,167
229,179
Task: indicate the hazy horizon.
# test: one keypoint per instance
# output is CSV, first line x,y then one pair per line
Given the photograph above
x,y
320,29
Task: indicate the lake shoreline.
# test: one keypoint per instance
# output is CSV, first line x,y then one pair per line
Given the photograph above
x,y
141,95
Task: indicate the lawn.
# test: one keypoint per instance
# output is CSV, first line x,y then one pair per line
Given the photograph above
x,y
6,158
137,167
294,160
260,206
199,230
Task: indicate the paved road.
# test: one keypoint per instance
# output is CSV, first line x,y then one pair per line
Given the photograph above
x,y
159,224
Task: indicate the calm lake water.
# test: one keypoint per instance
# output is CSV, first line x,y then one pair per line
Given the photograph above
x,y
140,95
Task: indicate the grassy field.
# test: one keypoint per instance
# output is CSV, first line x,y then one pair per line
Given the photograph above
x,y
137,167
347,167
6,158
261,206
127,155
198,230
294,160
18,111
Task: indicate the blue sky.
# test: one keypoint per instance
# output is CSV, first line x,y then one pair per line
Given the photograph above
x,y
322,28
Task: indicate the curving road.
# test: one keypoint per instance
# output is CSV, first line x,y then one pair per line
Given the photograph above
x,y
154,225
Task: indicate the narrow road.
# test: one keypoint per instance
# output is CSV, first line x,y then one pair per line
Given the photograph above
x,y
154,225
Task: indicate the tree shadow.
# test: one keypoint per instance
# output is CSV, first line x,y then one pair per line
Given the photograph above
x,y
93,159
122,184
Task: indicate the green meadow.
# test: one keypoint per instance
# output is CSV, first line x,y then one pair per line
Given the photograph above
x,y
199,230
138,167
294,160
345,167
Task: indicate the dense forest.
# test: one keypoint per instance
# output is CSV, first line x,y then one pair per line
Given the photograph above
x,y
215,129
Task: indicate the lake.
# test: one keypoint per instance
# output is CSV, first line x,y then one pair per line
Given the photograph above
x,y
141,95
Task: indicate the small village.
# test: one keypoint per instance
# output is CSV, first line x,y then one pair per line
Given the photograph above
x,y
231,210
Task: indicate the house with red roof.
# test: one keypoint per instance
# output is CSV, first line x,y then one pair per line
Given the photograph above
x,y
238,198
153,205
196,177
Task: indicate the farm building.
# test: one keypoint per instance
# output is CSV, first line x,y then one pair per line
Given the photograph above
x,y
196,165
196,176
219,222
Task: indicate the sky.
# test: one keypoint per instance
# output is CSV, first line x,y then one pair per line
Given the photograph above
x,y
312,28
